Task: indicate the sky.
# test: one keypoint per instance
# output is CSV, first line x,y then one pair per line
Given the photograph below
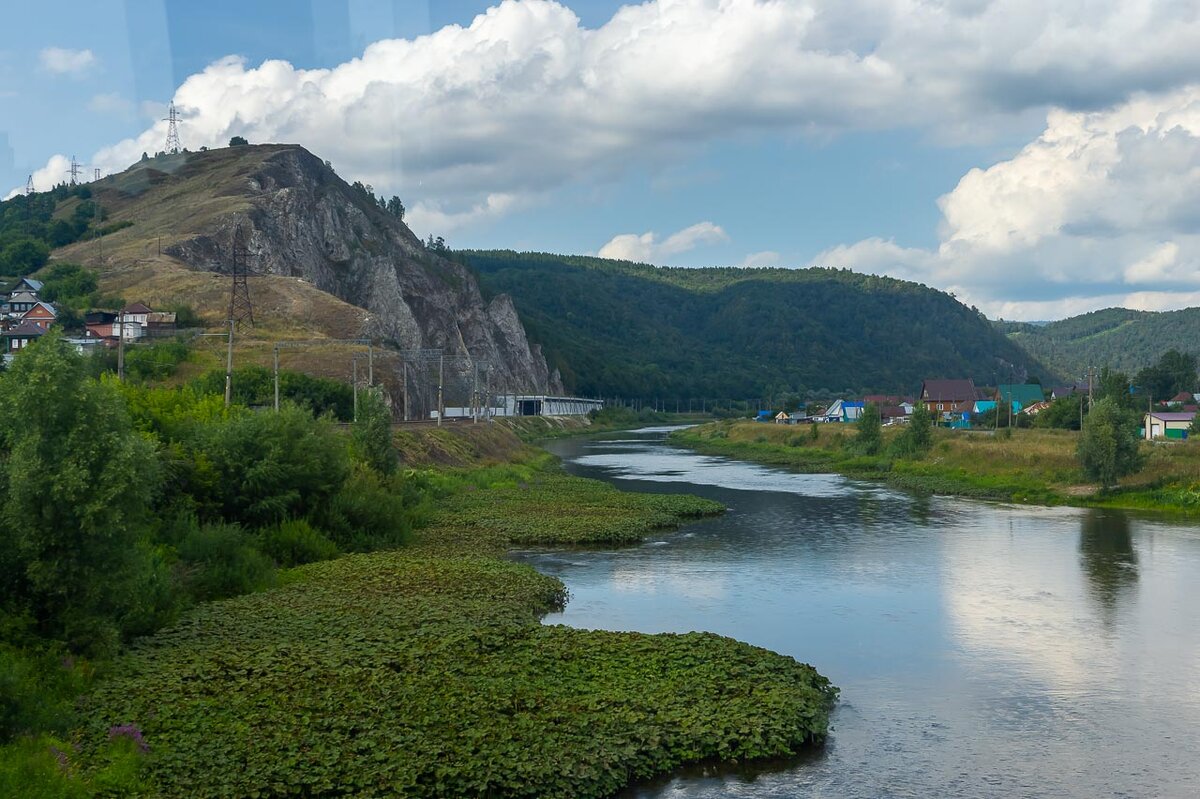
x,y
1037,158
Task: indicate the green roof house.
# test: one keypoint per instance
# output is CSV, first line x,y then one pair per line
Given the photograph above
x,y
1022,396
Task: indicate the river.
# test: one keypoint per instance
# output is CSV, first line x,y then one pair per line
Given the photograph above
x,y
982,650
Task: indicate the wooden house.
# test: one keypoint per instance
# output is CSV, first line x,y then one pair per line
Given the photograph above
x,y
21,336
41,314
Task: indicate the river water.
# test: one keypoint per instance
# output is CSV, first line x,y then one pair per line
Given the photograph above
x,y
982,650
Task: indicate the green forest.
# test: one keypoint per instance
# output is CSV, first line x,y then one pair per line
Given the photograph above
x,y
614,328
1119,338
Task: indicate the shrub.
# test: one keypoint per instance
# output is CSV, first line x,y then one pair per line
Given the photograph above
x,y
365,514
869,440
223,563
39,768
37,689
295,542
263,468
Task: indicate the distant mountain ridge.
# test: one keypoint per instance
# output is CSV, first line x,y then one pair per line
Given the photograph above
x,y
616,328
1120,338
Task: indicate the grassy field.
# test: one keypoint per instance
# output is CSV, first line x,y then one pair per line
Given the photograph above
x,y
426,672
1034,466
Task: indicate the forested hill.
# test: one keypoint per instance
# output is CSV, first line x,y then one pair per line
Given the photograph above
x,y
1116,337
635,330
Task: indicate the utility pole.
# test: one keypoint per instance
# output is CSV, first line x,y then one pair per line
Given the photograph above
x,y
441,376
370,363
474,391
276,378
229,368
1089,375
120,348
404,364
354,360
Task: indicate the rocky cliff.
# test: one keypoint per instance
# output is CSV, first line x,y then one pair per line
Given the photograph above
x,y
298,219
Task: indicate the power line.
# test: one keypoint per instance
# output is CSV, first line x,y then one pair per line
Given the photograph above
x,y
172,129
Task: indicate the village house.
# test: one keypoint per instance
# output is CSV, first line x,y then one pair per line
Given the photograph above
x,y
41,314
1171,425
950,401
1019,395
19,302
20,336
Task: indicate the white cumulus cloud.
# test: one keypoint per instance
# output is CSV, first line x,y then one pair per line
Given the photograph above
x,y
1103,208
647,248
526,99
62,61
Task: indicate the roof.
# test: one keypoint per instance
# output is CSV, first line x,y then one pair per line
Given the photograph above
x,y
36,285
883,399
1024,393
23,296
1035,408
45,306
892,411
136,307
1182,396
948,390
1175,416
24,330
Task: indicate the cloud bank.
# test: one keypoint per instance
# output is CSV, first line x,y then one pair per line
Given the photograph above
x,y
1103,208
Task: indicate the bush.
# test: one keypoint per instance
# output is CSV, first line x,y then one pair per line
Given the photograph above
x,y
39,768
295,542
367,514
38,689
260,469
223,563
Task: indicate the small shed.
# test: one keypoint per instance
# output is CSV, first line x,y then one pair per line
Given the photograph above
x,y
782,418
1167,424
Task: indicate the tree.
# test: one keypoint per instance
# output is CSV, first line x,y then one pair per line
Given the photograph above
x,y
23,256
238,141
917,437
76,484
1108,448
396,208
869,440
373,433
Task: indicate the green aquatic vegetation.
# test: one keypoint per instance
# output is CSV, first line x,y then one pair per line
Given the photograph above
x,y
408,673
560,509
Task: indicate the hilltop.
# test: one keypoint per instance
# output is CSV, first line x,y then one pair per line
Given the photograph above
x,y
636,330
327,261
1116,337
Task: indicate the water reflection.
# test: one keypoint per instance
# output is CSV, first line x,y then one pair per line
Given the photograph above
x,y
1108,557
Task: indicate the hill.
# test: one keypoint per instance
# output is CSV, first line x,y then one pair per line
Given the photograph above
x,y
1116,337
328,259
635,330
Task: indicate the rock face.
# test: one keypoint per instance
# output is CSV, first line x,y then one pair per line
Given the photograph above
x,y
304,221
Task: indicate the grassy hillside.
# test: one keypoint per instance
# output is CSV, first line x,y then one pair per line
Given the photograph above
x,y
635,330
1116,337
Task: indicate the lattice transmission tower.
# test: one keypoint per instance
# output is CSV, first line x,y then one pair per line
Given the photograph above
x,y
241,310
172,118
29,186
76,167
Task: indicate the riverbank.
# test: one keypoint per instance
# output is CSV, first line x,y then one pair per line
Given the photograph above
x,y
426,672
1028,466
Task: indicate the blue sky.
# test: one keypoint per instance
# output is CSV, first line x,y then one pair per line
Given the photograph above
x,y
1012,152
